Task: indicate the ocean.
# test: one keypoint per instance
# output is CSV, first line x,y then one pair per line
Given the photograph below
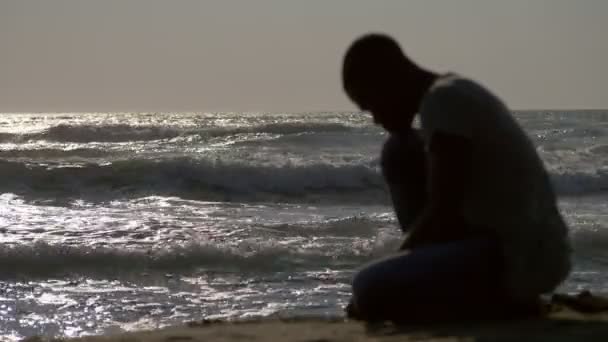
x,y
124,221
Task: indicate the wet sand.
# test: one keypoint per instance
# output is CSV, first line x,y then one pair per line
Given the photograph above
x,y
564,324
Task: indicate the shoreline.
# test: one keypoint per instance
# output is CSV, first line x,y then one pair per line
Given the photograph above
x,y
564,324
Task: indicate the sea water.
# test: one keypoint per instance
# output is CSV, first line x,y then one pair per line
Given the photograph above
x,y
123,221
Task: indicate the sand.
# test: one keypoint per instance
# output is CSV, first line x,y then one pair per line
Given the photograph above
x,y
566,325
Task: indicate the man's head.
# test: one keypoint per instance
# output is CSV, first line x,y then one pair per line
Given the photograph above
x,y
379,78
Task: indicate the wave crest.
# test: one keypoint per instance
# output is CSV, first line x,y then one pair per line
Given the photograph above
x,y
197,179
231,181
41,259
125,133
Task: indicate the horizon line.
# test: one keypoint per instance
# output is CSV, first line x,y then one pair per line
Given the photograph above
x,y
262,111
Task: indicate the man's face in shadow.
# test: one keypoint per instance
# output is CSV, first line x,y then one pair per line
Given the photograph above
x,y
389,104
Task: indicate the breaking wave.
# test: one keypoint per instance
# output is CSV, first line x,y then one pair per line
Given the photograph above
x,y
228,181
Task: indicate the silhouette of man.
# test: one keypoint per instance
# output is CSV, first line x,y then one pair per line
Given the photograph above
x,y
468,187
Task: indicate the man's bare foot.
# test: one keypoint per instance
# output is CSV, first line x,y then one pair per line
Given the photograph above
x,y
583,302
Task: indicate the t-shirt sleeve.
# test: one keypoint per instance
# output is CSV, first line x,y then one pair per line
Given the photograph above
x,y
447,109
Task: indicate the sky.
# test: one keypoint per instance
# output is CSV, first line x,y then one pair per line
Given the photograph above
x,y
285,55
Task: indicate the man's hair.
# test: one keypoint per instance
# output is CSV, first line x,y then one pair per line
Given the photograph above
x,y
371,57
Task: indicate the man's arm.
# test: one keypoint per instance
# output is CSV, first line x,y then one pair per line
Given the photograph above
x,y
450,166
403,162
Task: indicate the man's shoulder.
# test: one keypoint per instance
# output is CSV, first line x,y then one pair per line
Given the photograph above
x,y
458,105
448,93
454,85
452,91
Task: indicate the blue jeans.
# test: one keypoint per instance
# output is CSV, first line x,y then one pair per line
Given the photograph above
x,y
425,284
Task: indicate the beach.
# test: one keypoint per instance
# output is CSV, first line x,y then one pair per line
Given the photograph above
x,y
580,317
237,170
566,325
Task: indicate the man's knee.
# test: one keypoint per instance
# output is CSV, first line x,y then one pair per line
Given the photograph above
x,y
373,293
365,294
363,283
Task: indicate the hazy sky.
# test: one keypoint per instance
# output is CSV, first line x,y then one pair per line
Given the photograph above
x,y
285,55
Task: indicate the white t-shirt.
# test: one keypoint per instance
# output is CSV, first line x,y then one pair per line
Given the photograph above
x,y
510,191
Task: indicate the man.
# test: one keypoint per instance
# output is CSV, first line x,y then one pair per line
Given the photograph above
x,y
468,187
